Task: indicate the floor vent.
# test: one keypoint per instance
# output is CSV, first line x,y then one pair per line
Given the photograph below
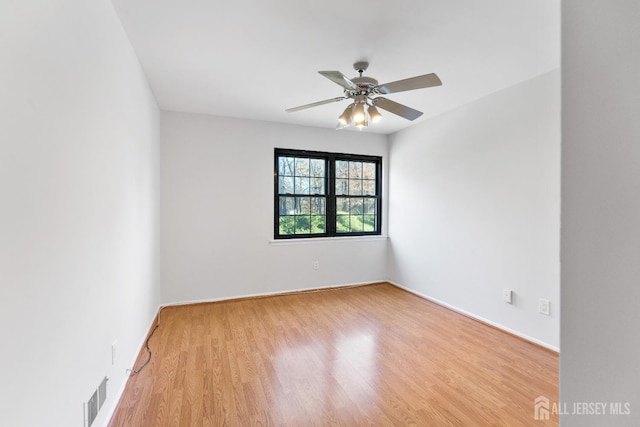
x,y
92,408
94,404
102,392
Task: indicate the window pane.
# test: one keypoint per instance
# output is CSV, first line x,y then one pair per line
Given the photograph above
x,y
287,205
285,166
342,187
355,224
302,167
355,170
286,225
370,206
317,186
317,168
342,223
317,206
342,205
342,169
303,224
302,185
369,170
318,224
286,185
369,187
303,205
355,206
355,187
369,222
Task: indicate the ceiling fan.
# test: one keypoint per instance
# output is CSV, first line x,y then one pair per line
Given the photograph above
x,y
365,93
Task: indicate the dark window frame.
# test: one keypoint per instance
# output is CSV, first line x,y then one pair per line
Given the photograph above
x,y
330,193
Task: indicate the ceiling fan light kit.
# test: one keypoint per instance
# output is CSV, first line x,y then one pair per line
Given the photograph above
x,y
358,110
365,91
345,117
374,114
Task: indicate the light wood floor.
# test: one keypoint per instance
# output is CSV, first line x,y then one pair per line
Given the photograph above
x,y
369,355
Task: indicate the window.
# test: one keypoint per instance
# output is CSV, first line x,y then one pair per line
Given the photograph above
x,y
326,194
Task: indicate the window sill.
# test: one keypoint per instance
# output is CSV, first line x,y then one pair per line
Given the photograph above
x,y
345,239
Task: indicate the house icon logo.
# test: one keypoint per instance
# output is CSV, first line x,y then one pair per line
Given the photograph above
x,y
541,408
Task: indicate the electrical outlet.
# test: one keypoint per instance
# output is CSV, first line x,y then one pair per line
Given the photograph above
x,y
113,352
544,306
507,295
316,265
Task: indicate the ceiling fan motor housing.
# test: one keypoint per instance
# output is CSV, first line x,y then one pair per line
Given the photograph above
x,y
366,86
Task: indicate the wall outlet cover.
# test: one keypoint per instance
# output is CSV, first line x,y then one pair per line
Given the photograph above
x,y
544,306
507,295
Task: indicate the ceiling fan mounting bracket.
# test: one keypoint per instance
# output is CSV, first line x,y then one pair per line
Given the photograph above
x,y
361,66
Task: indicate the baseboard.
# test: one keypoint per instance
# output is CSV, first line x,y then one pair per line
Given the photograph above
x,y
479,318
272,294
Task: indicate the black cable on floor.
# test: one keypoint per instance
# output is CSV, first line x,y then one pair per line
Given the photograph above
x,y
146,344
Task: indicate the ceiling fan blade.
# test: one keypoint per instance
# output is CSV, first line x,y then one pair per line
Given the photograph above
x,y
315,104
339,78
395,108
419,82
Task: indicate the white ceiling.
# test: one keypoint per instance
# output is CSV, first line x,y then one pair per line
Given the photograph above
x,y
255,58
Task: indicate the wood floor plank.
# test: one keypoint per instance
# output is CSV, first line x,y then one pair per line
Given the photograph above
x,y
367,356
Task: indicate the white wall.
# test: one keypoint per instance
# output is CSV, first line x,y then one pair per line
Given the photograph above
x,y
78,194
474,207
600,209
217,211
